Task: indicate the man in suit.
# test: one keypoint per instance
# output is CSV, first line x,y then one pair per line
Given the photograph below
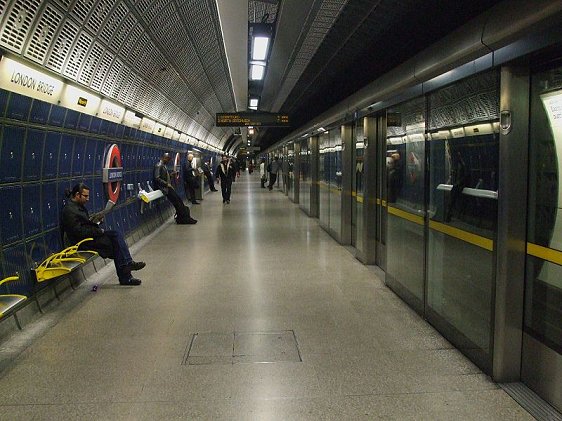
x,y
225,174
190,180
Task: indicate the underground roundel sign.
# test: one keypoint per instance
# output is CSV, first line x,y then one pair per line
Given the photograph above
x,y
112,172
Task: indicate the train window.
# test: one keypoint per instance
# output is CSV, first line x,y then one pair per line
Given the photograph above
x,y
543,306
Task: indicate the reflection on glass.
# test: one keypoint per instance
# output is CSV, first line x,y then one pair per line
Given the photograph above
x,y
463,178
405,157
543,284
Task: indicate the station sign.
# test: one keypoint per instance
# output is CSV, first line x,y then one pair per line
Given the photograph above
x,y
110,111
22,79
244,119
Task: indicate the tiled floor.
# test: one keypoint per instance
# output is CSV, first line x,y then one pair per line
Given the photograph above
x,y
256,265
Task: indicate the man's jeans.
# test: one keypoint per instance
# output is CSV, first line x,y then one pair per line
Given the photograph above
x,y
121,253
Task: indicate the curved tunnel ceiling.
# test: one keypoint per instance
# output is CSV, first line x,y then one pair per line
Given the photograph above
x,y
163,58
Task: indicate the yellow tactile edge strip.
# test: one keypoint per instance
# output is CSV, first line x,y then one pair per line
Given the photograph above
x,y
545,253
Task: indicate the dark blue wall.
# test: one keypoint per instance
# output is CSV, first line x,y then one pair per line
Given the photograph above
x,y
45,149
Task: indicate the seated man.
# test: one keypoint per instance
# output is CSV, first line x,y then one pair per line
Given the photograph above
x,y
162,182
77,225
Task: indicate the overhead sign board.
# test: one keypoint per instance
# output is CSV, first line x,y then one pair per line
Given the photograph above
x,y
258,119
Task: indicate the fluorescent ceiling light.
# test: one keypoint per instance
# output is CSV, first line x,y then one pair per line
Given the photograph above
x,y
253,102
256,72
253,108
259,48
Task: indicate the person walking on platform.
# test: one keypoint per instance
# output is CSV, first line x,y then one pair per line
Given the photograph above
x,y
275,165
77,226
190,180
162,182
263,175
209,176
225,174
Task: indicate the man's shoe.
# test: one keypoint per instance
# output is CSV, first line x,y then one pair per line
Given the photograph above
x,y
195,203
192,221
134,266
131,282
228,201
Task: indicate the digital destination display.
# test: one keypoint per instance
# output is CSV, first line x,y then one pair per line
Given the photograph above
x,y
244,119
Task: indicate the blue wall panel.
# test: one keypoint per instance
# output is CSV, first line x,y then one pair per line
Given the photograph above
x,y
18,107
11,154
78,156
90,156
95,125
15,260
33,158
100,153
49,200
51,155
65,155
39,112
71,119
36,250
4,96
53,242
84,122
31,209
10,214
56,118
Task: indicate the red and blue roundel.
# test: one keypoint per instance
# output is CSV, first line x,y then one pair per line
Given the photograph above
x,y
112,172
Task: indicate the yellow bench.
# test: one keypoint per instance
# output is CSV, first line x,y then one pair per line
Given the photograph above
x,y
59,264
10,303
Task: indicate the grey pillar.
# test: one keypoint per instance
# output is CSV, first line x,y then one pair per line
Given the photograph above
x,y
297,172
511,238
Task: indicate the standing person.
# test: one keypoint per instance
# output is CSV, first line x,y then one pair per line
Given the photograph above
x,y
263,175
190,180
225,175
77,225
273,172
209,176
162,181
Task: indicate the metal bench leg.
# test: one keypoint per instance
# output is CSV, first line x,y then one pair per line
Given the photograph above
x,y
38,304
17,321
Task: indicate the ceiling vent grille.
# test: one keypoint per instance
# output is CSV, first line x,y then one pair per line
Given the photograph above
x,y
89,67
76,58
98,16
2,7
111,78
152,11
123,31
128,77
115,18
43,34
64,3
17,24
61,47
102,69
81,9
135,35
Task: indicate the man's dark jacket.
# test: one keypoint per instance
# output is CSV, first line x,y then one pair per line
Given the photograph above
x,y
76,225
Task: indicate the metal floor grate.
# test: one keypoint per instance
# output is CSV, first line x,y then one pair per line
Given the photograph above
x,y
242,347
531,402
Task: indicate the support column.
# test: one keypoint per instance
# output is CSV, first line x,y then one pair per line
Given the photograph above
x,y
346,182
369,191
